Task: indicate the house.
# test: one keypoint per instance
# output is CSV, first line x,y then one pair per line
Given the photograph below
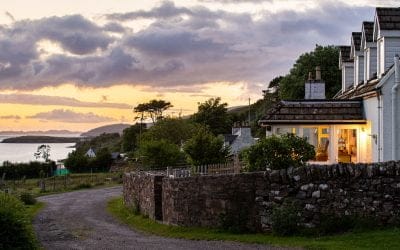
x,y
360,123
91,153
240,138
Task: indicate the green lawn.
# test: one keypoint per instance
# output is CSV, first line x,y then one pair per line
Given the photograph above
x,y
380,239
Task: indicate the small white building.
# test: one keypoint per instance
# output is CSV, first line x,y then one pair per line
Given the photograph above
x,y
91,153
360,124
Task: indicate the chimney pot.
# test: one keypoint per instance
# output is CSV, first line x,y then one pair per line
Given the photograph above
x,y
318,73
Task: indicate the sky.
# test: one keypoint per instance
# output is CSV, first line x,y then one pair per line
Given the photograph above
x,y
77,65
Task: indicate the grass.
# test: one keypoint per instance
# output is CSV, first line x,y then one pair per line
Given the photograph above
x,y
60,184
379,239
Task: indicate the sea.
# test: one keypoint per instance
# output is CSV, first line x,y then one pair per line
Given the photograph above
x,y
24,152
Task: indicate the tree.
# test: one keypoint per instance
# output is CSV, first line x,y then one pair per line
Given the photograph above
x,y
77,162
205,148
214,115
102,162
292,85
43,151
159,154
153,108
173,130
278,152
130,138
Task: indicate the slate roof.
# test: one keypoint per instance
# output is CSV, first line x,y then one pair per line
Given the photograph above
x,y
229,138
315,112
345,53
368,30
356,37
388,18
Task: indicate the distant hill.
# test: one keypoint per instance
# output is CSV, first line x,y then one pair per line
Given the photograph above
x,y
108,129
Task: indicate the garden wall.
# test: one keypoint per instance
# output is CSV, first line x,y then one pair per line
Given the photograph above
x,y
371,190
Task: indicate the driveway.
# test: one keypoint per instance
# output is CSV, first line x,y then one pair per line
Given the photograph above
x,y
79,220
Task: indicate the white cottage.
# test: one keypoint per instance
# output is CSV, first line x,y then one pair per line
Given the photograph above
x,y
361,123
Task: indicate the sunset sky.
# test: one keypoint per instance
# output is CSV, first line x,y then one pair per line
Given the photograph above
x,y
77,65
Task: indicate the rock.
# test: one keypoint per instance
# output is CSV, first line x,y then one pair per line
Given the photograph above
x,y
316,194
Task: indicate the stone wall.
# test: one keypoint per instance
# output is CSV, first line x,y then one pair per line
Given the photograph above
x,y
371,190
143,191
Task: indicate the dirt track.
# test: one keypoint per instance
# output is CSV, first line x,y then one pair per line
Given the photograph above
x,y
78,220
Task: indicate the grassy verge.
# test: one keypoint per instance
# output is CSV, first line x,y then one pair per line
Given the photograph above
x,y
60,184
380,239
33,210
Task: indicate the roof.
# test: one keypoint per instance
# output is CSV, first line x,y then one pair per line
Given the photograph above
x,y
345,53
356,40
230,138
368,31
388,18
315,112
366,89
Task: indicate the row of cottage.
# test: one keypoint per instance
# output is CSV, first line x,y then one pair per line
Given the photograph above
x,y
362,121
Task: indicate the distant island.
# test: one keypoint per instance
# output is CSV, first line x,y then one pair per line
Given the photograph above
x,y
40,132
41,139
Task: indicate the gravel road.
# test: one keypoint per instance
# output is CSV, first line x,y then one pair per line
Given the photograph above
x,y
79,220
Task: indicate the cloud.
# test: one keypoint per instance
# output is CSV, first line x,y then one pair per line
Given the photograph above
x,y
10,117
57,100
182,46
70,116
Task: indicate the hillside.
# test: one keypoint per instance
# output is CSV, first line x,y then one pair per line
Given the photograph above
x,y
108,129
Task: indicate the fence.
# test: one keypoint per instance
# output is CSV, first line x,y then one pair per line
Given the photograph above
x,y
210,169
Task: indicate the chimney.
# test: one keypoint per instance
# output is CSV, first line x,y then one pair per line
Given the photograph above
x,y
318,73
315,89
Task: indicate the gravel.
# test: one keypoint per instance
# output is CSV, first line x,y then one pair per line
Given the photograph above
x,y
79,220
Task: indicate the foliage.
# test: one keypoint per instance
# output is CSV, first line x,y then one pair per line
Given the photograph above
x,y
173,130
28,170
130,137
110,141
285,219
15,226
213,114
277,152
43,151
27,198
292,85
159,154
205,148
78,162
275,82
153,108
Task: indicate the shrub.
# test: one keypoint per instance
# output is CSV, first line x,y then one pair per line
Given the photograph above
x,y
285,219
205,148
159,154
278,152
15,226
27,198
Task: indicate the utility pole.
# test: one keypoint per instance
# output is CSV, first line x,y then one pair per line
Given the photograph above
x,y
249,111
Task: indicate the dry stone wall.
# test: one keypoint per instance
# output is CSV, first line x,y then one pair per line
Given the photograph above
x,y
371,190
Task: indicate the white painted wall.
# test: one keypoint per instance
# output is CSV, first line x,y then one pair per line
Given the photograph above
x,y
386,128
347,75
369,63
371,110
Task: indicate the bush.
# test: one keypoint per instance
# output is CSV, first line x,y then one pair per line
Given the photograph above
x,y
16,171
27,198
205,148
15,226
285,219
159,154
278,152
